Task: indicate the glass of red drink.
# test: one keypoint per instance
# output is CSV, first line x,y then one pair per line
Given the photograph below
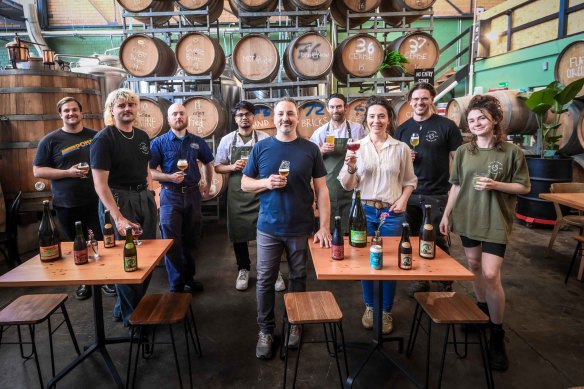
x,y
353,144
136,232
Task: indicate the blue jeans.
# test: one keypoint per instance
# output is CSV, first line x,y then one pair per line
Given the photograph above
x,y
180,219
391,227
269,252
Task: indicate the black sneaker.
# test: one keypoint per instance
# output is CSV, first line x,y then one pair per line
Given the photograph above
x,y
109,290
497,352
193,286
83,292
444,286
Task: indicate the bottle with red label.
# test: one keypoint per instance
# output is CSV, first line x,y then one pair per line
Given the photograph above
x,y
79,246
338,243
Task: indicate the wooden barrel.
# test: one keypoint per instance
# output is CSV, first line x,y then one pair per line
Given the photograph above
x,y
252,6
264,119
308,57
306,5
2,210
218,183
339,9
419,48
144,56
28,108
456,111
403,110
215,10
198,54
570,64
153,116
403,5
311,115
148,5
255,59
356,111
206,116
359,55
571,129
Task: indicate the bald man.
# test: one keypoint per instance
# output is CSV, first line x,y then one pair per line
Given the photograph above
x,y
180,197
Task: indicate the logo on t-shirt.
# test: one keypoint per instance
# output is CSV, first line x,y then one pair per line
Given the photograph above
x,y
144,148
194,146
495,167
431,136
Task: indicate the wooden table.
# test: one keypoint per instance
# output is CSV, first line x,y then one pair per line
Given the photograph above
x,y
108,269
356,266
573,200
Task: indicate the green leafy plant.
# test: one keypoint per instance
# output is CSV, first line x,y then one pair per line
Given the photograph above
x,y
393,58
554,97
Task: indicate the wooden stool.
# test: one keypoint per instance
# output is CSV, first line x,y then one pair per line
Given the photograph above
x,y
579,250
449,308
313,308
31,310
161,309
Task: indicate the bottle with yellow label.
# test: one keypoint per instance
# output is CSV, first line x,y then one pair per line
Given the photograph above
x,y
427,235
109,239
130,252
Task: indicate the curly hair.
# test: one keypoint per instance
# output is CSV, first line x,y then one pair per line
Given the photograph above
x,y
243,104
118,96
488,105
376,100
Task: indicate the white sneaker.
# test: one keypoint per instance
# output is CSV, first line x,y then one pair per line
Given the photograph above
x,y
280,285
242,280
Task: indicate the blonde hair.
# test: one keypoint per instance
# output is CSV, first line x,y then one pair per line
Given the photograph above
x,y
119,95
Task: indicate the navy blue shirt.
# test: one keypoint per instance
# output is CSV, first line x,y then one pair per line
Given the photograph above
x,y
167,149
286,211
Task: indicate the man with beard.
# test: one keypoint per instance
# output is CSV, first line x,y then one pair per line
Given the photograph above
x,y
242,208
180,197
285,219
339,130
119,160
439,139
74,198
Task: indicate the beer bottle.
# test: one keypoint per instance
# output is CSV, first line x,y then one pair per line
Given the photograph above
x,y
427,235
109,239
130,253
49,242
358,225
338,244
404,254
79,245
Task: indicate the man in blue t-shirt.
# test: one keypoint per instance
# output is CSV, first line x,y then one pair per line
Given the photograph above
x,y
180,198
286,218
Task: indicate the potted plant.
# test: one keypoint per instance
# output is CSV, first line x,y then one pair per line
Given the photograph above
x,y
549,165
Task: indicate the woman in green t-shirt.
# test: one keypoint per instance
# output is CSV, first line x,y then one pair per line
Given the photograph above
x,y
487,175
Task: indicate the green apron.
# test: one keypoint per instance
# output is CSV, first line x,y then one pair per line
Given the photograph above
x,y
242,207
340,198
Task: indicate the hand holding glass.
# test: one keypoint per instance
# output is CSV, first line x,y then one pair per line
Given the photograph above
x,y
284,169
84,167
330,139
182,165
136,232
477,178
353,144
244,156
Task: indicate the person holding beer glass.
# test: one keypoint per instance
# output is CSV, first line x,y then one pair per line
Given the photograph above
x,y
60,157
481,211
242,208
174,164
382,170
332,139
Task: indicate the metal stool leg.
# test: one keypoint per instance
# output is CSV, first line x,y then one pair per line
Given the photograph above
x,y
428,345
186,326
340,325
444,354
70,327
128,370
137,356
485,358
285,347
197,344
336,353
416,321
297,354
578,249
175,356
51,345
31,329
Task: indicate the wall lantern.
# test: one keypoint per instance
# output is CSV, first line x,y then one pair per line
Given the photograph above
x,y
17,51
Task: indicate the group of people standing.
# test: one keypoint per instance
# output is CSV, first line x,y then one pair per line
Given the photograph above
x,y
396,182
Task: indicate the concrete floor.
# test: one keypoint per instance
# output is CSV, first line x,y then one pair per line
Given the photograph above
x,y
544,324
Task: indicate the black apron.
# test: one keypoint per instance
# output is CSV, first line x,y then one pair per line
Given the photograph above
x,y
242,207
340,198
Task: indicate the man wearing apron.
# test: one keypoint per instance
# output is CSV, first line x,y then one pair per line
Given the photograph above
x,y
242,208
338,131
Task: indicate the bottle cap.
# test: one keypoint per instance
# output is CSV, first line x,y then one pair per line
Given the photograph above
x,y
337,218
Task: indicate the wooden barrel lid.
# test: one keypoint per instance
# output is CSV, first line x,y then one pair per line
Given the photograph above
x,y
570,64
311,115
215,10
309,57
147,5
356,110
236,5
136,5
403,110
143,56
339,12
419,48
199,54
153,116
206,116
311,4
360,55
517,118
361,6
455,111
255,59
264,119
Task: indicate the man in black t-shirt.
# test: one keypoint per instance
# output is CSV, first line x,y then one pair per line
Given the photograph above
x,y
57,159
438,140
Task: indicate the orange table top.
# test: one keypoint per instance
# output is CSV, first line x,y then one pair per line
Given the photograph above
x,y
356,266
574,200
108,269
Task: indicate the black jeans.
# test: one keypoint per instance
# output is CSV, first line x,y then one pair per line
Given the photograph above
x,y
415,215
86,214
242,256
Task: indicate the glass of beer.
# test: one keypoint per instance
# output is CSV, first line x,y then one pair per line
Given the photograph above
x,y
284,169
353,144
84,167
330,138
477,178
415,140
182,165
244,156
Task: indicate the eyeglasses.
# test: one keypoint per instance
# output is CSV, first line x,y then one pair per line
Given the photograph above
x,y
423,99
242,115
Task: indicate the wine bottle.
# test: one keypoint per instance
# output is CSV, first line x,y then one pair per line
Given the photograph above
x,y
130,253
404,254
109,239
49,242
358,225
351,213
338,244
427,235
79,246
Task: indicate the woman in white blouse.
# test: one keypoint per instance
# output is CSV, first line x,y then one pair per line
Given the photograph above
x,y
382,170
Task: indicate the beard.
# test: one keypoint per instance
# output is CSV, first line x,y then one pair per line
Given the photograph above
x,y
178,126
